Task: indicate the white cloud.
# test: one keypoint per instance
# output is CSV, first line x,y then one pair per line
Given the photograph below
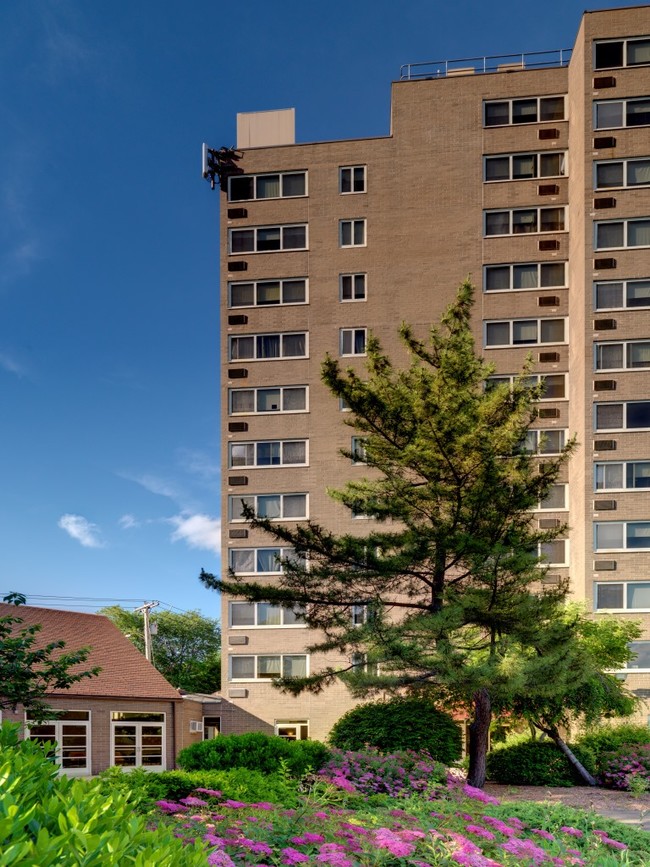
x,y
77,527
128,522
197,531
11,365
199,464
156,485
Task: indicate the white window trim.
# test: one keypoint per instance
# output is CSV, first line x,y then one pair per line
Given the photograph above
x,y
539,231
268,411
626,549
510,156
624,101
86,771
625,41
280,334
356,447
139,724
537,376
512,288
281,249
624,163
365,287
624,284
546,563
543,431
625,223
283,554
624,404
624,344
256,466
255,283
365,180
342,331
261,626
510,322
510,100
625,608
298,723
256,656
352,221
241,520
565,508
281,175
624,465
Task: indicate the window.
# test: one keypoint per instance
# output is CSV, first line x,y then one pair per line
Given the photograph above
x,y
264,293
554,384
352,233
523,221
622,294
533,109
138,740
352,179
524,332
253,614
268,453
359,615
70,732
544,442
554,553
353,341
257,347
617,113
275,507
622,233
625,355
283,398
358,450
621,173
292,730
211,727
623,596
361,663
632,415
622,476
641,661
267,239
259,561
533,275
352,287
621,52
268,667
622,536
515,167
281,185
555,500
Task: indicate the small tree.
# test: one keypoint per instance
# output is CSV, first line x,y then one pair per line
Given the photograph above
x,y
451,582
28,672
186,646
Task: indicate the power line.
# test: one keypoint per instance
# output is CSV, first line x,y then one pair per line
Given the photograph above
x,y
91,601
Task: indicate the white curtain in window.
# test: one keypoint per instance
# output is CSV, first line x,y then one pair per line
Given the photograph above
x,y
268,666
268,186
524,331
242,614
268,615
609,536
525,276
242,560
295,505
638,595
268,559
294,399
294,666
294,452
638,172
269,506
294,345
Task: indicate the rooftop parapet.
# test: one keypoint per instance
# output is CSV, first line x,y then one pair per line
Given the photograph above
x,y
477,65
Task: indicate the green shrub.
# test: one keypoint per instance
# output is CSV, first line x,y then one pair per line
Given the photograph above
x,y
535,763
255,751
50,820
609,738
626,768
237,784
401,724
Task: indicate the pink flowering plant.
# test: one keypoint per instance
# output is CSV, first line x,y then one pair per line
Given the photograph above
x,y
627,768
398,774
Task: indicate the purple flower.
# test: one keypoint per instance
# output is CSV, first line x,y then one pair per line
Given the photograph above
x,y
480,832
220,859
193,802
170,807
293,856
573,832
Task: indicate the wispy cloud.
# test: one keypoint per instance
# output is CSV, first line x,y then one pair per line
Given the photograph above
x,y
156,485
10,365
80,529
199,464
128,522
197,531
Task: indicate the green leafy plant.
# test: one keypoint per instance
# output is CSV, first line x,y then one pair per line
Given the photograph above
x,y
240,784
535,763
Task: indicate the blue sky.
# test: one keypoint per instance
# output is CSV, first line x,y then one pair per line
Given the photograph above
x,y
109,389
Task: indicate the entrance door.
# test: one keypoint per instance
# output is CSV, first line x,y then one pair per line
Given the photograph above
x,y
71,735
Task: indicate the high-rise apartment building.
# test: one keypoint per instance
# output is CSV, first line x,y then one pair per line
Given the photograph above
x,y
532,175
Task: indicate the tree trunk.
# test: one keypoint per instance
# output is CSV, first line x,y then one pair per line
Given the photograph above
x,y
479,733
564,748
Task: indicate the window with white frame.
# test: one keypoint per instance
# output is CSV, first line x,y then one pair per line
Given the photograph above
x,y
615,234
257,347
344,406
358,450
138,740
352,233
275,507
279,185
641,660
264,614
622,596
352,287
267,239
267,293
621,173
70,733
622,355
515,167
622,536
628,415
292,730
361,663
619,113
353,341
554,553
555,500
359,615
613,53
530,275
268,453
524,221
283,398
533,109
622,294
622,476
554,384
524,332
268,666
259,561
352,179
544,441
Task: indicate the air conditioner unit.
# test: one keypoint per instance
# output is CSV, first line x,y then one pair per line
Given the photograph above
x,y
196,726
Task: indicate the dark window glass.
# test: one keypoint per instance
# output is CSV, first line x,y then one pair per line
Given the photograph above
x,y
638,414
524,110
242,189
551,108
608,54
497,113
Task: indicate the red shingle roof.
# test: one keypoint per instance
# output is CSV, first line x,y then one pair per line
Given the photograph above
x,y
125,672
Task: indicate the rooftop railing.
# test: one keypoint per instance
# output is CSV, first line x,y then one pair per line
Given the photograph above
x,y
476,65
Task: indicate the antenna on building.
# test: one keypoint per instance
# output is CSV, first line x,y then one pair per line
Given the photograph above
x,y
219,164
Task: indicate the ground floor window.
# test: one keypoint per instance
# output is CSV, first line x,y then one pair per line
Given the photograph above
x,y
293,730
70,733
138,740
211,727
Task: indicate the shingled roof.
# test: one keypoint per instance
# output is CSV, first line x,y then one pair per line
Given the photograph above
x,y
125,673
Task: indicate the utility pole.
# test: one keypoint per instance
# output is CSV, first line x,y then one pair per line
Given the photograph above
x,y
147,627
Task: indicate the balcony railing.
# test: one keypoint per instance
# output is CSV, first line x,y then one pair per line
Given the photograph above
x,y
476,65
